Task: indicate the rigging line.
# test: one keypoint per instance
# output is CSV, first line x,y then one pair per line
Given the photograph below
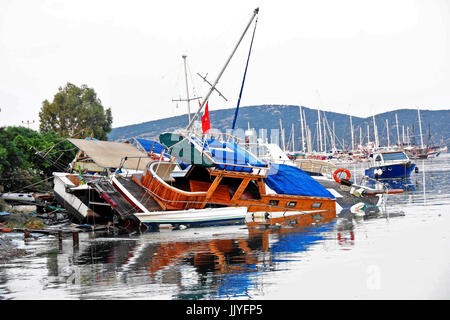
x,y
243,80
194,91
32,184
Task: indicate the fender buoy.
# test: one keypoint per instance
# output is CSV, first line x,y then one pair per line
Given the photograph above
x,y
339,171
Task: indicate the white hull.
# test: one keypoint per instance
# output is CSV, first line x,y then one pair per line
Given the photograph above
x,y
71,202
209,215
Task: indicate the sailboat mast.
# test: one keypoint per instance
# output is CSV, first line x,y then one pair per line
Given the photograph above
x,y
301,128
255,12
375,131
420,128
360,136
187,88
387,130
282,136
320,129
351,131
403,134
334,139
398,134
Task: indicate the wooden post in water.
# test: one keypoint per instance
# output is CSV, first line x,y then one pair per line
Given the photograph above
x,y
60,239
75,238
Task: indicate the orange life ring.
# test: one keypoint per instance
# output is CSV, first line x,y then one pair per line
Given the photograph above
x,y
339,171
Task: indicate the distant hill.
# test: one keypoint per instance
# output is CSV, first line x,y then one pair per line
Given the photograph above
x,y
435,124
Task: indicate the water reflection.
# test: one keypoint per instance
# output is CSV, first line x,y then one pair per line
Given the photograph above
x,y
224,264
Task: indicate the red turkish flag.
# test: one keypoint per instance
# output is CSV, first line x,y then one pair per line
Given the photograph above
x,y
205,120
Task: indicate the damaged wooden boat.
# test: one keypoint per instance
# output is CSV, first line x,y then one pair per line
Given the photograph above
x,y
223,183
86,191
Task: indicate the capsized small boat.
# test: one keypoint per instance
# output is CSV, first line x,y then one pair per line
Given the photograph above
x,y
390,165
194,217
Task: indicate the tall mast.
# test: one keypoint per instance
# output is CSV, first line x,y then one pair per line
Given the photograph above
x,y
420,128
301,128
375,131
320,130
403,134
255,12
360,136
293,138
187,88
334,139
351,131
398,134
387,129
368,134
282,136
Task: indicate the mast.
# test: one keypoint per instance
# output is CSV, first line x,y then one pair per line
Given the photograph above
x,y
387,129
301,128
351,131
360,137
282,136
334,139
375,131
187,88
255,12
368,134
403,134
420,128
398,134
293,138
308,142
320,129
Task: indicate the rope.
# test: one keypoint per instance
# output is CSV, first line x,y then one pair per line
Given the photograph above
x,y
243,80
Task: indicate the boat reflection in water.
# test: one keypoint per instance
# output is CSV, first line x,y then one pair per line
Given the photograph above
x,y
227,258
391,184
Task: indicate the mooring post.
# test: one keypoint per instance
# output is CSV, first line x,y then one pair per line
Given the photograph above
x,y
60,239
75,238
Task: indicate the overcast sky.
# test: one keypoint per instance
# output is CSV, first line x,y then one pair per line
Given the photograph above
x,y
351,56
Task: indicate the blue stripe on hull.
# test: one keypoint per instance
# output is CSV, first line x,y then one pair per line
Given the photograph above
x,y
392,171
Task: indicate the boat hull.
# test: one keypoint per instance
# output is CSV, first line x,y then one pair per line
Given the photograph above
x,y
393,171
195,217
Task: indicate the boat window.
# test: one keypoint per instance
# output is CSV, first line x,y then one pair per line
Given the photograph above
x,y
273,202
378,158
394,156
291,204
316,205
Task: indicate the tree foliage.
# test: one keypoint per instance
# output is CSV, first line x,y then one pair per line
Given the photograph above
x,y
27,157
76,112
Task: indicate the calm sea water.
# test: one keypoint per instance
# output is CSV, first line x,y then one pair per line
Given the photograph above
x,y
402,254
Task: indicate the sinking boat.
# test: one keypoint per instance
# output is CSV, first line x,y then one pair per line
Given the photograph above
x,y
226,183
390,165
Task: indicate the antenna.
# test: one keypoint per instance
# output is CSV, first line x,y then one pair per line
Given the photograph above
x,y
28,122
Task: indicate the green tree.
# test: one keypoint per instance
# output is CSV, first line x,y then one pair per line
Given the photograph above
x,y
28,158
76,112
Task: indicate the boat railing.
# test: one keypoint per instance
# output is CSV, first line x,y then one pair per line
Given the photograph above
x,y
129,171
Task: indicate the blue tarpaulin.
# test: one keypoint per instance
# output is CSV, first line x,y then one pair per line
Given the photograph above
x,y
285,179
150,145
231,153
